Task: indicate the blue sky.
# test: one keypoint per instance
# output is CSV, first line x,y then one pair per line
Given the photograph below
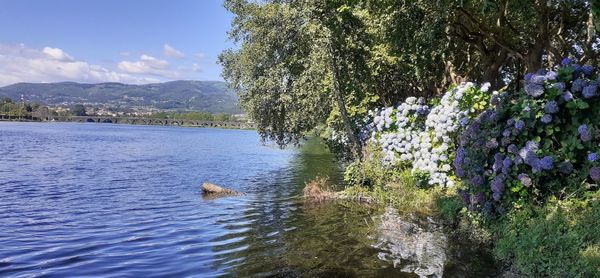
x,y
129,41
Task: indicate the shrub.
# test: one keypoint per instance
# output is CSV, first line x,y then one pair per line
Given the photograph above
x,y
533,144
422,137
560,239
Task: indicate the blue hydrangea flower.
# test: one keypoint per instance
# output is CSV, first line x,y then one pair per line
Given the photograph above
x,y
584,133
587,69
560,86
497,184
547,118
578,85
592,157
477,180
498,158
567,96
529,76
547,163
566,61
519,124
590,91
551,75
534,90
551,107
506,133
506,164
512,149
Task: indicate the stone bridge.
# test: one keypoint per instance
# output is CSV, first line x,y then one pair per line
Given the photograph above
x,y
135,121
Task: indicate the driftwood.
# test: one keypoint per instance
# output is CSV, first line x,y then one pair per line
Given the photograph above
x,y
213,190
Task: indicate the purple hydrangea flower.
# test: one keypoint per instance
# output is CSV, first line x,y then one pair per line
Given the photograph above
x,y
547,118
519,124
560,86
565,167
567,96
587,69
590,91
566,61
532,145
512,149
498,158
510,122
547,163
506,133
498,184
584,133
538,79
592,157
525,179
529,76
534,90
595,173
578,85
506,164
551,75
477,180
479,198
551,107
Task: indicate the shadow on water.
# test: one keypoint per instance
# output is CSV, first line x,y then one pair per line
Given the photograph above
x,y
287,237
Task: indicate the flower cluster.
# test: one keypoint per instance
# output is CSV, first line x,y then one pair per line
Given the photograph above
x,y
423,137
535,143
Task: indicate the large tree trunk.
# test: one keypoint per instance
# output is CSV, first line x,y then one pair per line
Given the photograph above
x,y
341,103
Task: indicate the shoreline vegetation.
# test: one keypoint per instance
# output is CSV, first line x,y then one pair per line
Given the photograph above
x,y
34,112
510,159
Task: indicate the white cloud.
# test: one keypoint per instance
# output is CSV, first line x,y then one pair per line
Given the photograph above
x,y
170,51
19,63
196,67
57,54
148,65
200,55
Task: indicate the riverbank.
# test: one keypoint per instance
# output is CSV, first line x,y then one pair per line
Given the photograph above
x,y
135,121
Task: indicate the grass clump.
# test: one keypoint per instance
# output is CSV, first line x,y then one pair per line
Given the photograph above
x,y
318,189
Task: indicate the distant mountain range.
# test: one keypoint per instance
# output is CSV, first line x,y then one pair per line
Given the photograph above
x,y
209,96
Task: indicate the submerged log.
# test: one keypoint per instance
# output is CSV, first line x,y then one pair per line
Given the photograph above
x,y
213,189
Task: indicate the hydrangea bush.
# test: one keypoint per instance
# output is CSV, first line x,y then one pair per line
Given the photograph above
x,y
422,136
539,142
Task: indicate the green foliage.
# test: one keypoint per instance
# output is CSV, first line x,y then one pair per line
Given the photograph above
x,y
78,110
449,206
370,173
196,116
560,239
9,107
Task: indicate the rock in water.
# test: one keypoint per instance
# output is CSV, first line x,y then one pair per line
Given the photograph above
x,y
213,189
410,247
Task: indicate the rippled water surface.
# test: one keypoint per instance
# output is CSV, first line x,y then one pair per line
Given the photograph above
x,y
117,200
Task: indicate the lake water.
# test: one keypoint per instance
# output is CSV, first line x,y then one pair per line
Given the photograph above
x,y
117,200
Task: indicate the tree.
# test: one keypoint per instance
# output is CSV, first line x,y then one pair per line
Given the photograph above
x,y
298,66
78,110
306,64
